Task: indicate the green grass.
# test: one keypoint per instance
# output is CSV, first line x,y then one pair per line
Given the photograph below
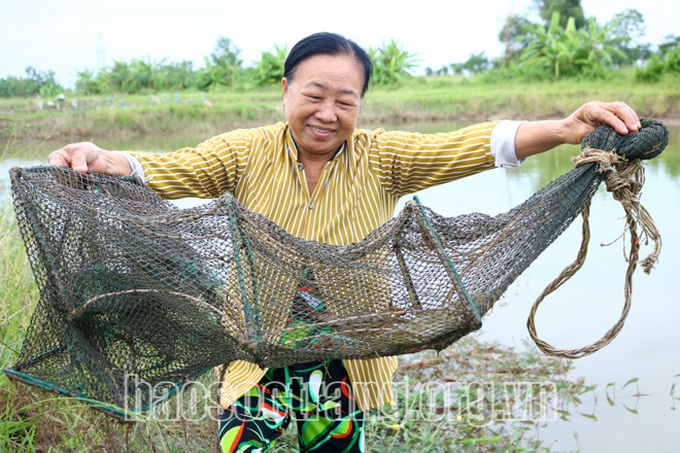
x,y
421,99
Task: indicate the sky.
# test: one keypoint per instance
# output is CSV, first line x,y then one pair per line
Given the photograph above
x,y
68,36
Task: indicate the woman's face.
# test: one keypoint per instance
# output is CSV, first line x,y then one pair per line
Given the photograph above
x,y
322,103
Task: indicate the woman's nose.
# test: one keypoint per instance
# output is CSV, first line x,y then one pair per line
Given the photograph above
x,y
326,111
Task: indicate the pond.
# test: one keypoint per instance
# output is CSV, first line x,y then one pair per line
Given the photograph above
x,y
641,416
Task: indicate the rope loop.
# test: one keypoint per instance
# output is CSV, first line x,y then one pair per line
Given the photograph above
x,y
624,179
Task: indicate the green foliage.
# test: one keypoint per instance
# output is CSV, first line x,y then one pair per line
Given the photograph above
x,y
118,77
175,76
569,51
628,27
476,64
210,75
391,63
87,82
269,70
137,76
670,43
222,68
564,8
467,399
666,61
660,65
532,52
570,46
514,37
32,84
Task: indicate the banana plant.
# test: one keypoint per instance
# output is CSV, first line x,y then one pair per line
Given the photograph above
x,y
391,63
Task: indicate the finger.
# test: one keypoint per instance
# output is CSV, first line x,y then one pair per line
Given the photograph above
x,y
629,117
73,156
633,121
624,118
79,160
59,158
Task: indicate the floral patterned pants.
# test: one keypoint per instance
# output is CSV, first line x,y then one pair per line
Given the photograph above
x,y
316,395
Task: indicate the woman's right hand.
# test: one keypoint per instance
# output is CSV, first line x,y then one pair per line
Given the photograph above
x,y
86,156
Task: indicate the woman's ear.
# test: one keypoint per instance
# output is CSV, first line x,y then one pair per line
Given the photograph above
x,y
284,88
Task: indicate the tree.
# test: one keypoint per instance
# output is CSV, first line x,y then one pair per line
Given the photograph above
x,y
569,51
603,44
565,8
670,43
542,52
142,75
35,82
222,67
118,76
476,63
628,27
391,63
665,61
514,37
87,82
226,57
269,70
176,76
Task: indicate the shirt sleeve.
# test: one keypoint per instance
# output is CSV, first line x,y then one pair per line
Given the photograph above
x,y
503,144
136,166
407,162
210,169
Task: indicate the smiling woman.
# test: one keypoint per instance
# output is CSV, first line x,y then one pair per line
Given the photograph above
x,y
321,179
322,96
322,107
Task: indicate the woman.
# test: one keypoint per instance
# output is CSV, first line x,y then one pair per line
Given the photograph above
x,y
321,179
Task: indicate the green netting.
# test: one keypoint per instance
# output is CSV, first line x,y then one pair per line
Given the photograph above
x,y
132,285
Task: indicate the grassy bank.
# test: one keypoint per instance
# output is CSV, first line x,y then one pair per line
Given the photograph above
x,y
419,100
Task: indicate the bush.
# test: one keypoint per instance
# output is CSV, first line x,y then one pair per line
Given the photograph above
x,y
33,84
659,65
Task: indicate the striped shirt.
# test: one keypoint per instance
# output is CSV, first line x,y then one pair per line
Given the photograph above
x,y
357,191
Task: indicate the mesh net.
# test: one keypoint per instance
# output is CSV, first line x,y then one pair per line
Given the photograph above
x,y
132,285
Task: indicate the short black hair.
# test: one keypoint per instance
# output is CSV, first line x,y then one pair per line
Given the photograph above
x,y
325,43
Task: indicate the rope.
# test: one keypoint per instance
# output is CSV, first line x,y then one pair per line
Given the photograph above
x,y
624,179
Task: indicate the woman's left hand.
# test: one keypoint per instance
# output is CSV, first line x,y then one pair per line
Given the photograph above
x,y
535,137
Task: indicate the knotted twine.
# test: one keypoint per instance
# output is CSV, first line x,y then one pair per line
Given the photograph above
x,y
624,179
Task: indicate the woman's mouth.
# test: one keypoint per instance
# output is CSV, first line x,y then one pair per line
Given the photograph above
x,y
319,132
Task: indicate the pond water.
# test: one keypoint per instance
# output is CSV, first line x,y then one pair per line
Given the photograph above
x,y
642,416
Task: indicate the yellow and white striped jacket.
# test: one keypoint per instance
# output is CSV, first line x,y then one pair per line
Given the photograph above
x,y
357,191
